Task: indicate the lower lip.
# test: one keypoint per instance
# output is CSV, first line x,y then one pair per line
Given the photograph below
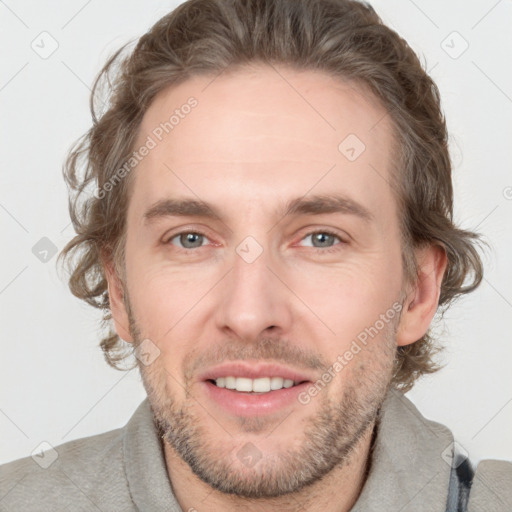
x,y
251,404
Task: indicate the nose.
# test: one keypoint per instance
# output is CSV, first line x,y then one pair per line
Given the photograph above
x,y
253,299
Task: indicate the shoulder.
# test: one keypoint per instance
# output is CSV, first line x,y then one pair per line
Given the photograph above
x,y
492,487
70,476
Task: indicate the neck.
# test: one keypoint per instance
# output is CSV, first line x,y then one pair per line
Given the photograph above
x,y
336,492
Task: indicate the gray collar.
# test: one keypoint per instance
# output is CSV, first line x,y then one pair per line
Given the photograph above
x,y
144,463
410,462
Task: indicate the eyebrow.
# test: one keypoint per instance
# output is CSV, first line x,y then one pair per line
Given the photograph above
x,y
313,205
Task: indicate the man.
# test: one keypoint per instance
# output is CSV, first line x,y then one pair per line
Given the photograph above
x,y
265,213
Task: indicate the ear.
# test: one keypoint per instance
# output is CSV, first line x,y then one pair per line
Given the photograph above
x,y
421,303
117,304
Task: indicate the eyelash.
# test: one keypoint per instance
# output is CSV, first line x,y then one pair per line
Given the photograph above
x,y
318,250
334,248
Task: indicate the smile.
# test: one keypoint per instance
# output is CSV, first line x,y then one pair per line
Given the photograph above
x,y
260,385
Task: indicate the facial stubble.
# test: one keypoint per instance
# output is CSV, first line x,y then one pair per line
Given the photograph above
x,y
328,439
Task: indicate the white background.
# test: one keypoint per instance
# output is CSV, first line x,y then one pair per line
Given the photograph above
x,y
55,385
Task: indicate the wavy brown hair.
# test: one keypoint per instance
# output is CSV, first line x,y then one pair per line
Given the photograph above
x,y
343,38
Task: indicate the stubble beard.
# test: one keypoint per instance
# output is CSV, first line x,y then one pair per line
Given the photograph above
x,y
328,440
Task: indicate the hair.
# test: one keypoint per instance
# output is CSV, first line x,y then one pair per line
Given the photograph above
x,y
343,38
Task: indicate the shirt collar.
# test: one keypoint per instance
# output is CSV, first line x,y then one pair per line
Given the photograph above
x,y
410,461
144,463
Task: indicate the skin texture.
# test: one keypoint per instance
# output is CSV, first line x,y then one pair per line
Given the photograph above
x,y
257,138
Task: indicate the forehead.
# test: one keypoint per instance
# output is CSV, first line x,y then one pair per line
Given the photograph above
x,y
257,133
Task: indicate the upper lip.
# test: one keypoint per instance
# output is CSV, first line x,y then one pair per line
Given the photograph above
x,y
253,370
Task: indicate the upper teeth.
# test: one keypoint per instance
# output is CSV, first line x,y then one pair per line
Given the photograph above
x,y
261,385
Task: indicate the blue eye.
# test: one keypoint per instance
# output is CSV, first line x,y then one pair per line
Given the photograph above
x,y
326,239
189,239
323,238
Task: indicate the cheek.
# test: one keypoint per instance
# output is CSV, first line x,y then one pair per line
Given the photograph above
x,y
161,296
359,277
350,297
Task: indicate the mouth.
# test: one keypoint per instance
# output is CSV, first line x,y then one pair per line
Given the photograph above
x,y
259,386
253,388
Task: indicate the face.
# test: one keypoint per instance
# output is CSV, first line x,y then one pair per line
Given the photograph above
x,y
291,275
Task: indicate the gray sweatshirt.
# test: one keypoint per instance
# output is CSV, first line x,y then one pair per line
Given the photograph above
x,y
124,470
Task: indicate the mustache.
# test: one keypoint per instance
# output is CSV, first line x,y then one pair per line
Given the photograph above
x,y
271,349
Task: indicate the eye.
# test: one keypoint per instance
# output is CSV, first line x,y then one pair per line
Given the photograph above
x,y
188,239
324,240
